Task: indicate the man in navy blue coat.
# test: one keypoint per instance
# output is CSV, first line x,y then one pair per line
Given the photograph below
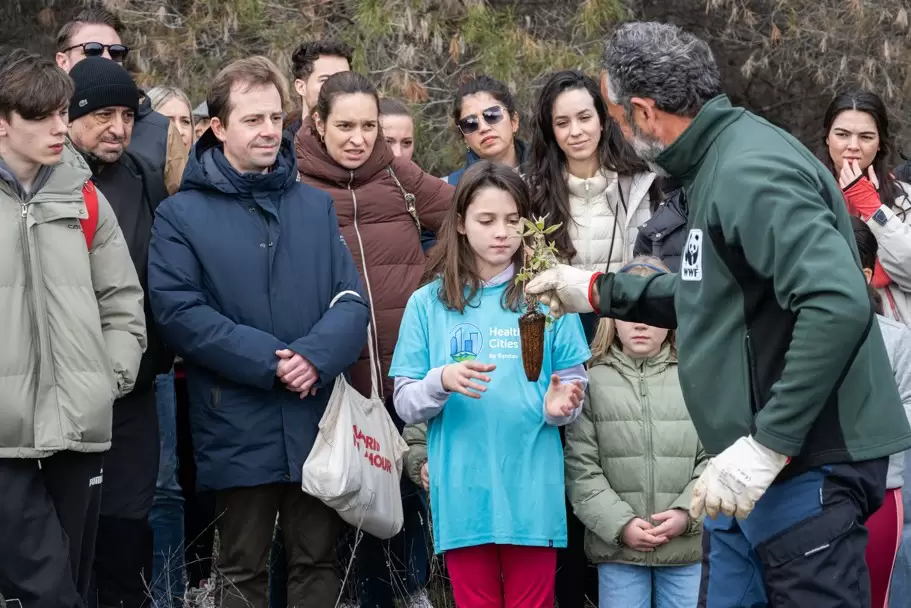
x,y
252,284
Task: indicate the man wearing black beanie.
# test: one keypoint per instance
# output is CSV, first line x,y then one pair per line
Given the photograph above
x,y
102,113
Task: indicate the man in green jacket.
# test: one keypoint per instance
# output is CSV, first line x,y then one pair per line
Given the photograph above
x,y
73,334
782,366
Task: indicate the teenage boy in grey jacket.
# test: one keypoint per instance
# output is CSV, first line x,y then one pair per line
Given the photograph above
x,y
73,334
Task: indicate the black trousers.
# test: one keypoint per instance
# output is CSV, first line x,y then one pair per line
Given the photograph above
x,y
246,523
48,519
123,552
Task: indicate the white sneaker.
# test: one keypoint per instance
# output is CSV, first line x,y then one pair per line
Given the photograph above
x,y
419,600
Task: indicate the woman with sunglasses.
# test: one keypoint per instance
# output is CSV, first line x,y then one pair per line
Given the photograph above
x,y
382,202
485,115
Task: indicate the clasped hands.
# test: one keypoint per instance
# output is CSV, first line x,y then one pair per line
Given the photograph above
x,y
298,374
641,535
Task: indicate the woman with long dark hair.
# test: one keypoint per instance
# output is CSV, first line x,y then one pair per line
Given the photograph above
x,y
858,152
584,176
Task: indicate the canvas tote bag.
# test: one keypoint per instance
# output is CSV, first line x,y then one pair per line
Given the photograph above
x,y
355,465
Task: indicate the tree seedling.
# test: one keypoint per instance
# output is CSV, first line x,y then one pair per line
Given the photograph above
x,y
539,256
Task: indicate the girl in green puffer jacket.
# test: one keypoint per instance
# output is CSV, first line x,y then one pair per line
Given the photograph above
x,y
632,458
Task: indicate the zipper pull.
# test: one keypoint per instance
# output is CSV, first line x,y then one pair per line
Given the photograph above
x,y
24,209
642,383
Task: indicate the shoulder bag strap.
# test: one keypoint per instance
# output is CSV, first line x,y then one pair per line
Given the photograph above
x,y
409,198
374,368
610,252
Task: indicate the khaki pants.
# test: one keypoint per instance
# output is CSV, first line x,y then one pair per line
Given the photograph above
x,y
245,518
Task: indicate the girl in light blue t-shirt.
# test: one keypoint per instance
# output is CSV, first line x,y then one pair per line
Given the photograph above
x,y
494,454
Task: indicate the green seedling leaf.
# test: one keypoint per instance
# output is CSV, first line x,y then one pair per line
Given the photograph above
x,y
552,229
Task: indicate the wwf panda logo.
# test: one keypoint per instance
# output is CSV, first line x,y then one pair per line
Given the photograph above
x,y
691,269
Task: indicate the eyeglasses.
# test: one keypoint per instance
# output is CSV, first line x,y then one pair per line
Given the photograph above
x,y
491,116
118,52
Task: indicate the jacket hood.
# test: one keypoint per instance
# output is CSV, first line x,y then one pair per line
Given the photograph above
x,y
145,106
684,156
616,358
6,175
313,160
209,169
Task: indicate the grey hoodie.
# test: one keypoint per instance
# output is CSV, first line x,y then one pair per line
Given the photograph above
x,y
898,345
6,174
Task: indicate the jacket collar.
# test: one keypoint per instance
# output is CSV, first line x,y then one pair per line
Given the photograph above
x,y
313,160
585,188
209,169
648,366
683,157
521,154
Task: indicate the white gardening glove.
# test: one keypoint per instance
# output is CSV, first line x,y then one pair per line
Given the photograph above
x,y
563,289
735,479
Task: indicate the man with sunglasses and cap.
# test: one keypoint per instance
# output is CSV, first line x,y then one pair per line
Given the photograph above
x,y
95,32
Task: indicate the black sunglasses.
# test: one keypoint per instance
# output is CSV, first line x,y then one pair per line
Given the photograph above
x,y
492,115
118,52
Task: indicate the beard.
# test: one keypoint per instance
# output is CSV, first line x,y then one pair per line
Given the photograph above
x,y
646,146
109,156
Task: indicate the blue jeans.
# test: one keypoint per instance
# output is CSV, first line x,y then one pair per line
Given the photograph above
x,y
901,575
648,586
166,517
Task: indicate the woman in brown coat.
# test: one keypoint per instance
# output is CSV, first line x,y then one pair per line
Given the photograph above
x,y
381,201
